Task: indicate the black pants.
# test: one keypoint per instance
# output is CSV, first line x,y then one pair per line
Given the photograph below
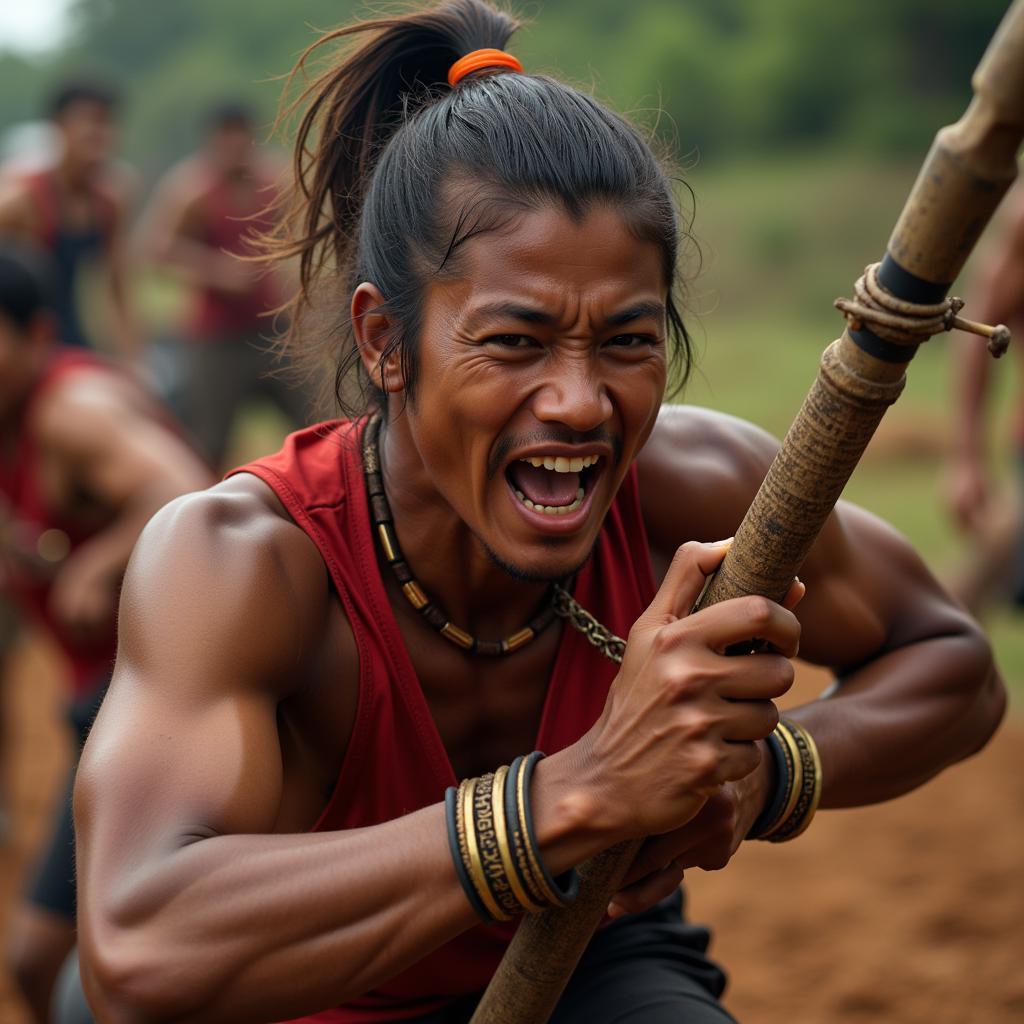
x,y
647,968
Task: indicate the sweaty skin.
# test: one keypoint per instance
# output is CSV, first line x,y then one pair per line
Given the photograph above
x,y
200,897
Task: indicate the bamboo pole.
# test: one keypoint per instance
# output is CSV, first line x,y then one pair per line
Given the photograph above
x,y
970,166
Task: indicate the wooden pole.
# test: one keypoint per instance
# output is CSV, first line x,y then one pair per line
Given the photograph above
x,y
969,168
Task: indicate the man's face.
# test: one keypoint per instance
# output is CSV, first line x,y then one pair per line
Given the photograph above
x,y
231,146
87,127
542,368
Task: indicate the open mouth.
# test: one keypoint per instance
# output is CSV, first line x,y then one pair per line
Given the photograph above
x,y
553,485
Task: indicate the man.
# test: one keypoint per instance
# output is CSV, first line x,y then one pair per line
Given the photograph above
x,y
997,564
200,222
85,459
76,211
390,605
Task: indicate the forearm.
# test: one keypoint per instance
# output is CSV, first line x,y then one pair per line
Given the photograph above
x,y
271,927
894,724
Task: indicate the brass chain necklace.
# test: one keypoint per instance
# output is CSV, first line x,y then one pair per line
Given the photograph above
x,y
559,601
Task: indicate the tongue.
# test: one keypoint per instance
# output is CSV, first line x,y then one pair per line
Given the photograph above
x,y
544,486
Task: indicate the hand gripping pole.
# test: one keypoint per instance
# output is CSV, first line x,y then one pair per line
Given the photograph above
x,y
965,175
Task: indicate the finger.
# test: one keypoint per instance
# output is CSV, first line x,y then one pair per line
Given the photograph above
x,y
794,595
685,579
648,891
737,760
755,677
741,619
749,720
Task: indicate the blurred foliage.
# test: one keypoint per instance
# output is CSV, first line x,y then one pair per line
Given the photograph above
x,y
729,75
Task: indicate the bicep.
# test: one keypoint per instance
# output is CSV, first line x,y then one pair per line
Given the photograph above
x,y
163,767
868,592
212,634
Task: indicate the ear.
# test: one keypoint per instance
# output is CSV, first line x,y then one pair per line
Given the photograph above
x,y
373,329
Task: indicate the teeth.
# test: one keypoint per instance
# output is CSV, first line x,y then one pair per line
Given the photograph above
x,y
560,464
552,510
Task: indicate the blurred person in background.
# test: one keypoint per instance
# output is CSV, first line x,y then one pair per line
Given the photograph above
x,y
86,457
198,224
76,210
992,518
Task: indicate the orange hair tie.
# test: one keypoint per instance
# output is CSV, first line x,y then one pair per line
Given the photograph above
x,y
478,60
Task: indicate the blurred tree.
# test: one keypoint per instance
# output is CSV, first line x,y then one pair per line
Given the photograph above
x,y
730,75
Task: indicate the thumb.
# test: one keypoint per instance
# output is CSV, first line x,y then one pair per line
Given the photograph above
x,y
685,579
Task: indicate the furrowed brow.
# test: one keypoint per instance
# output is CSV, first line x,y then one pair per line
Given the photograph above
x,y
511,310
655,310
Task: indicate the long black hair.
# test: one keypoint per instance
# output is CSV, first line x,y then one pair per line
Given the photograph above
x,y
393,169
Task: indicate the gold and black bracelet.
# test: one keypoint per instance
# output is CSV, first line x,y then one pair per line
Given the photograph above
x,y
793,802
809,793
771,813
491,838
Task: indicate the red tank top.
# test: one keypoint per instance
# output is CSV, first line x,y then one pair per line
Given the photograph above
x,y
396,762
228,226
29,529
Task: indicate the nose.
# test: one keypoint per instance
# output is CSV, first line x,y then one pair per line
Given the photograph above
x,y
574,395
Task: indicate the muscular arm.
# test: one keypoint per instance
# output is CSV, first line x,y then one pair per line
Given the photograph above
x,y
110,444
918,688
189,908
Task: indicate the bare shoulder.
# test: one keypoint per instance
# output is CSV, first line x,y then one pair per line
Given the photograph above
x,y
698,473
225,579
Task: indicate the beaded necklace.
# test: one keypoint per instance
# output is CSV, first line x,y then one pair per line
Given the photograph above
x,y
558,600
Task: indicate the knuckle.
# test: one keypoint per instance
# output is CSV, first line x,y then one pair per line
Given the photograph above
x,y
695,726
759,611
703,764
667,639
683,682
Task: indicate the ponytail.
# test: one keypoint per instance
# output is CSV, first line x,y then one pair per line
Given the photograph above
x,y
354,108
383,135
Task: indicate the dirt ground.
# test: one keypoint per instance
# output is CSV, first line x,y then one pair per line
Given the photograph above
x,y
908,913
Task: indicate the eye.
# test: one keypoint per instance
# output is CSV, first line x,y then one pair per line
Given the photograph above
x,y
511,341
631,341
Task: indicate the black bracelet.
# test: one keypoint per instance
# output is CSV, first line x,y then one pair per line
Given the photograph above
x,y
450,811
773,808
517,837
564,889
